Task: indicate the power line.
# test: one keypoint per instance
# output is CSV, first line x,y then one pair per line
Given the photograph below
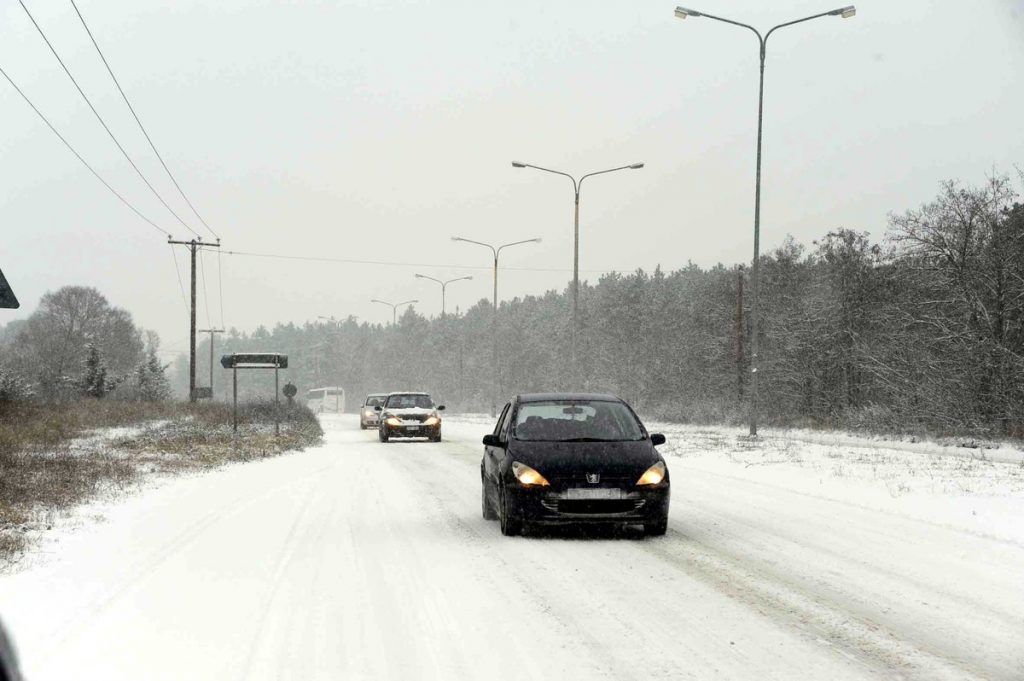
x,y
137,120
79,157
100,119
206,298
350,261
181,284
220,290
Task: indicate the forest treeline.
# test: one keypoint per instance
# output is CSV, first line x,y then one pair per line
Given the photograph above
x,y
921,331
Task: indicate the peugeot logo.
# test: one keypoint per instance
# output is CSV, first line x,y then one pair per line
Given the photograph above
x,y
593,478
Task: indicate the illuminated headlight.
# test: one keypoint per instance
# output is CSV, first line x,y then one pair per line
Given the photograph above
x,y
432,421
653,475
527,475
393,421
369,412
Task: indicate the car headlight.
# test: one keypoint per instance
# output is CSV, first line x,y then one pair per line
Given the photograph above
x,y
432,421
393,421
653,475
528,476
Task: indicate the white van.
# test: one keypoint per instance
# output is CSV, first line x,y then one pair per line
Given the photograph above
x,y
326,400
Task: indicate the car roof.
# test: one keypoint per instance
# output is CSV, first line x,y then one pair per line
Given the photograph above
x,y
582,397
377,394
407,392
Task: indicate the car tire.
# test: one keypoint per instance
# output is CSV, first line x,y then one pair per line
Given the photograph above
x,y
488,511
362,426
657,528
436,438
383,435
510,526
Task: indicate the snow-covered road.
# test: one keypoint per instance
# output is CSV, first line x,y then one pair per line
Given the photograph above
x,y
359,560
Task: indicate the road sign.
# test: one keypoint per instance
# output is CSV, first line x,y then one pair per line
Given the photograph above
x,y
202,393
289,390
254,360
7,297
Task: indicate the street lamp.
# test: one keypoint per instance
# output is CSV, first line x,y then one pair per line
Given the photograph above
x,y
496,251
394,307
682,13
444,286
576,184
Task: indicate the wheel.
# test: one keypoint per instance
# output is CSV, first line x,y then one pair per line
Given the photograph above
x,y
362,426
657,528
436,438
489,513
510,526
382,435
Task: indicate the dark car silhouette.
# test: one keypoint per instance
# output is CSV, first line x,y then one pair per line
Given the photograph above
x,y
562,458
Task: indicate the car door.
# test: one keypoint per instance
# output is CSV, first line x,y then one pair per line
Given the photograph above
x,y
493,455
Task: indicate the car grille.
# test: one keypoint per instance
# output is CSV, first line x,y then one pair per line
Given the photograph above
x,y
593,506
419,418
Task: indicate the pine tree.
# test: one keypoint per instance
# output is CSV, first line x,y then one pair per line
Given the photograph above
x,y
152,382
94,379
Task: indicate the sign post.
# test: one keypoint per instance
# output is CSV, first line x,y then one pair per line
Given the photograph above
x,y
256,360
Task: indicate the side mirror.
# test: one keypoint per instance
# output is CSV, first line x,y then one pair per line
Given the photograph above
x,y
491,440
378,408
657,439
440,408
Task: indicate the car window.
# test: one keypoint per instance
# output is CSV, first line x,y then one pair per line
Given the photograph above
x,y
410,402
568,420
374,401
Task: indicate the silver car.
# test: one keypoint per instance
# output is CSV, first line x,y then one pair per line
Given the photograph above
x,y
369,417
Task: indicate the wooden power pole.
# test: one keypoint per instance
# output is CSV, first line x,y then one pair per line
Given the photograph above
x,y
194,245
211,332
739,334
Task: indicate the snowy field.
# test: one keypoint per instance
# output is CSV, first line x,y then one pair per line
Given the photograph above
x,y
801,556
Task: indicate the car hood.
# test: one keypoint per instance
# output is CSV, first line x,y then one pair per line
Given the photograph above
x,y
571,460
412,411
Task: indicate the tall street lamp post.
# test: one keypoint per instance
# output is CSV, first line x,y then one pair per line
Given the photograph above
x,y
495,251
394,307
444,286
683,13
576,184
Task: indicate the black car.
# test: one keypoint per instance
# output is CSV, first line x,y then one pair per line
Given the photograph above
x,y
408,414
573,458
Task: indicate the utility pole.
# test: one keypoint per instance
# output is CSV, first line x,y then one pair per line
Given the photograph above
x,y
739,334
211,332
194,245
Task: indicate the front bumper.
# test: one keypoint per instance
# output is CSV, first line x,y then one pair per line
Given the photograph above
x,y
369,419
412,430
622,505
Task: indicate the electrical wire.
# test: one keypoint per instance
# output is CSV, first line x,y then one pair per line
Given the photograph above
x,y
350,261
220,289
102,122
206,299
79,157
137,120
181,284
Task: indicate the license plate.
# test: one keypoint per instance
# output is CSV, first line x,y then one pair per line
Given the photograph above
x,y
593,493
412,429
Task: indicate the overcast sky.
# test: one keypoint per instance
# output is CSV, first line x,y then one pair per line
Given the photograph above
x,y
377,130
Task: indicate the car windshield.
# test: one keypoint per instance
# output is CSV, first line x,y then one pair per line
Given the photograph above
x,y
569,420
374,401
410,402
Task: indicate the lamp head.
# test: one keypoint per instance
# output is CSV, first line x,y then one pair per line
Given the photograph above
x,y
636,166
518,164
682,13
844,12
